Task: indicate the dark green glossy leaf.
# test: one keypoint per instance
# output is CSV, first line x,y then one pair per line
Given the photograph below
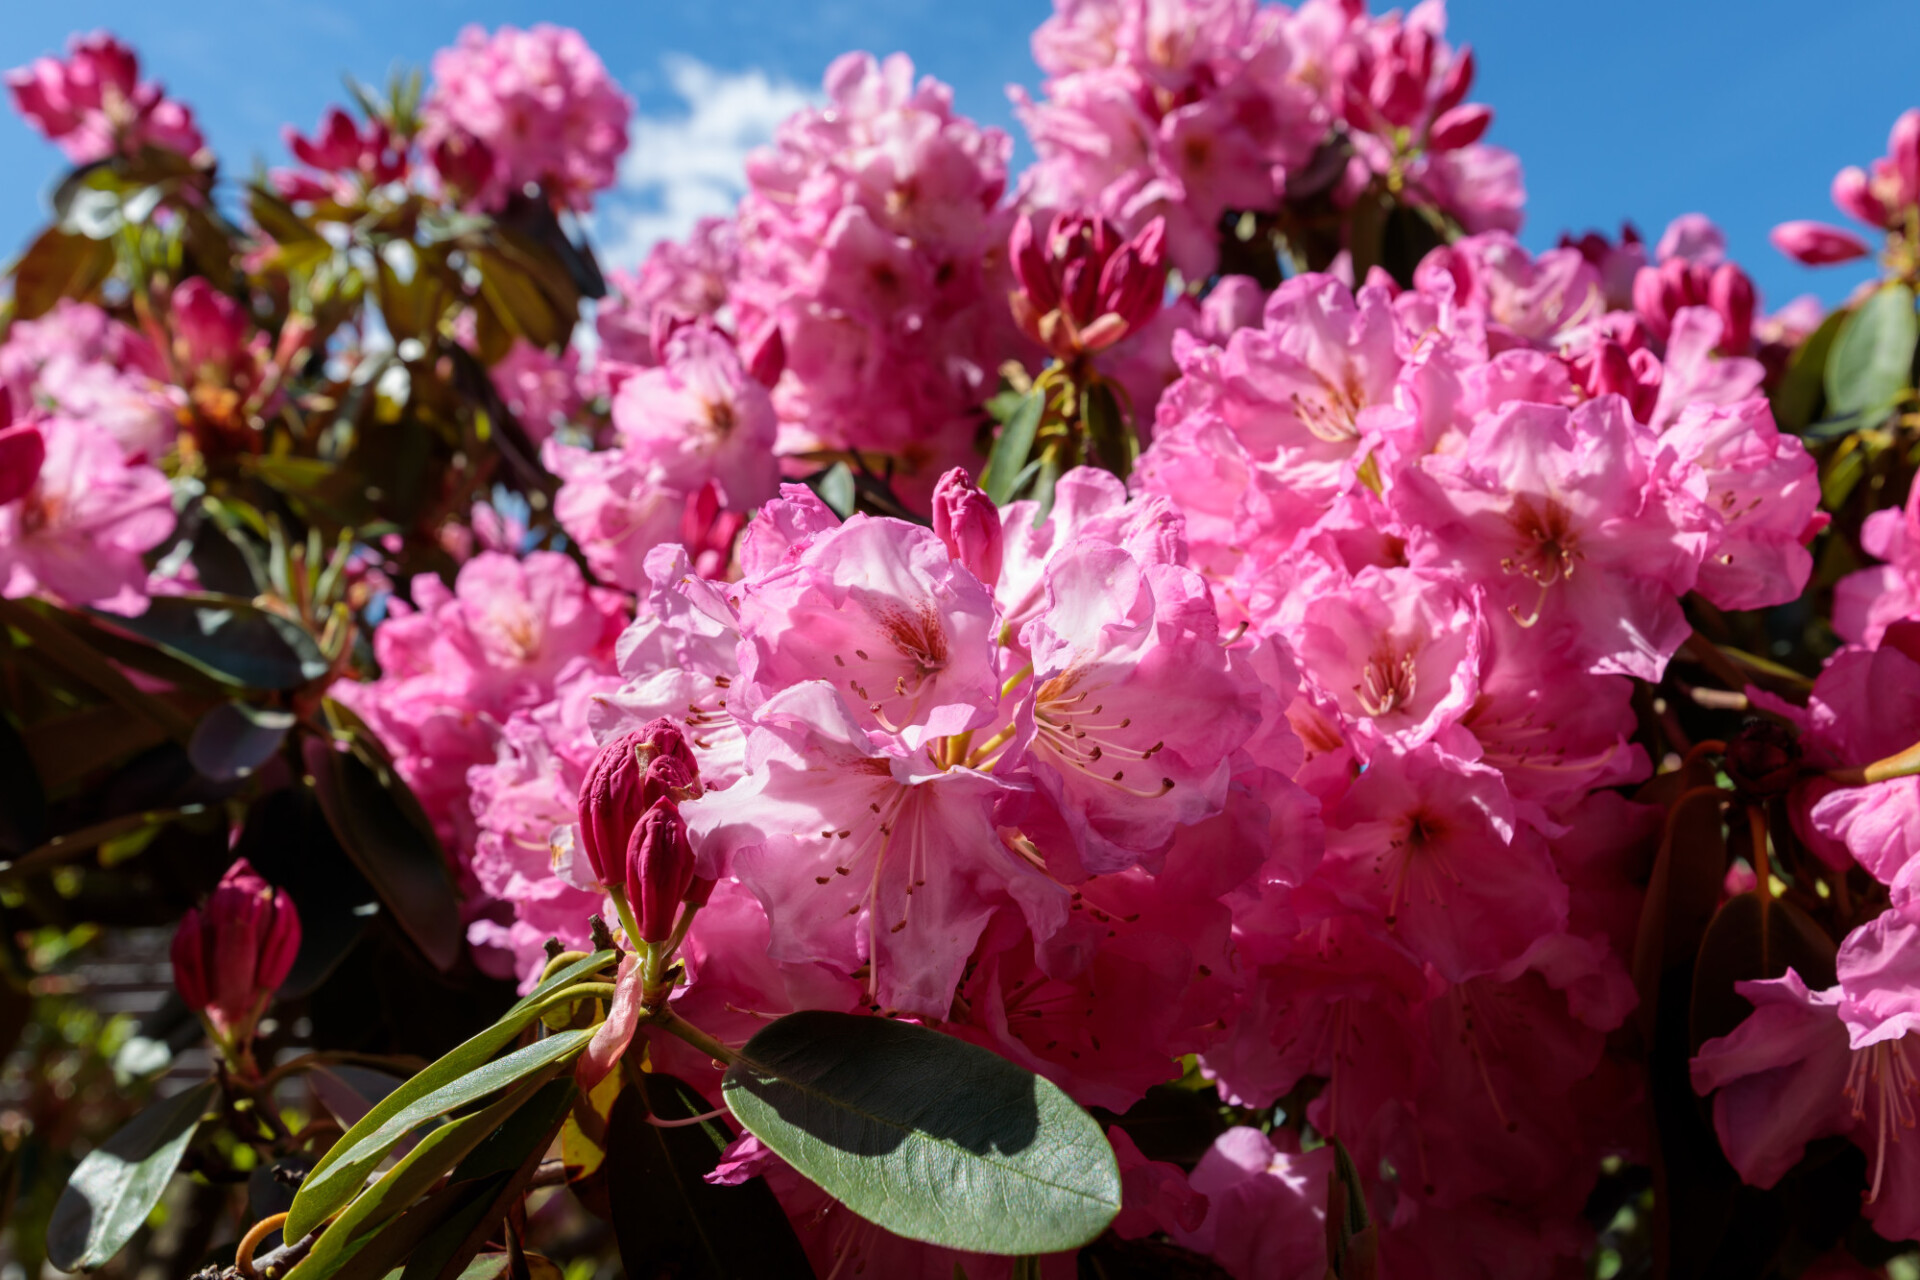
x,y
377,822
1797,398
665,1214
233,739
119,1182
928,1136
229,639
58,265
1872,358
341,1172
411,1177
1012,447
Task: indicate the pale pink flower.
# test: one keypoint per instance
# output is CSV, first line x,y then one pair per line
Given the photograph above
x,y
698,416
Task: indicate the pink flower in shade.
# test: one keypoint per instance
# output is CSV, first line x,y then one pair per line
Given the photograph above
x,y
880,610
864,857
1428,847
1397,652
1134,706
518,799
1868,601
1807,1063
1154,1194
698,416
78,532
1566,521
1266,1206
231,953
516,107
1765,488
94,104
80,363
23,450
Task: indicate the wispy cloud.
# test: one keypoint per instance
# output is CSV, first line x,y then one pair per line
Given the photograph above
x,y
683,167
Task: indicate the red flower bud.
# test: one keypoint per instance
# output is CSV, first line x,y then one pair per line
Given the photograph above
x,y
1853,195
659,870
22,451
1730,293
968,522
626,778
1460,127
1082,289
232,953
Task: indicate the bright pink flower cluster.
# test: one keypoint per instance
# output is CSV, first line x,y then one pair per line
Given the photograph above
x,y
1189,111
514,108
95,105
873,240
1886,199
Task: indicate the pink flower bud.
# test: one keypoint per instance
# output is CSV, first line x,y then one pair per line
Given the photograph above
x,y
1460,127
1030,268
1853,195
232,953
1134,282
765,356
1903,155
659,869
1082,289
1817,244
1455,84
629,775
1730,294
967,521
209,328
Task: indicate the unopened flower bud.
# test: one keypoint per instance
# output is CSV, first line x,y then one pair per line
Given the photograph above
x,y
1853,195
1082,289
1816,244
23,450
629,774
659,870
1461,127
1763,759
232,953
968,522
1730,294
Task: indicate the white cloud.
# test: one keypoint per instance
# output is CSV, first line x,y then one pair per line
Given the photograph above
x,y
681,168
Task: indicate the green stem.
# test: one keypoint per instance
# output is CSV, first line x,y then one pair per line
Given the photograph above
x,y
668,1020
619,895
579,991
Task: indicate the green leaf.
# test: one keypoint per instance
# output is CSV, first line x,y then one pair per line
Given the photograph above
x,y
836,488
377,822
119,1182
930,1137
665,1214
411,1177
464,1061
339,1175
1797,398
1011,448
229,639
1113,445
1872,357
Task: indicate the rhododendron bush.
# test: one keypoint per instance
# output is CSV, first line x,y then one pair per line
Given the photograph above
x,y
1194,710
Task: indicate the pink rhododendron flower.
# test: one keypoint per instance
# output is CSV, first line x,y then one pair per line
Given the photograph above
x,y
79,362
94,104
1765,488
1266,1207
517,107
78,532
1868,601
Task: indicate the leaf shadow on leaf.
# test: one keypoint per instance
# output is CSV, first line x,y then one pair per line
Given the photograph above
x,y
841,1101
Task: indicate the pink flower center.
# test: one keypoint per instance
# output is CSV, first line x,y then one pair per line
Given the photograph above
x,y
1545,551
1334,415
1420,863
1386,682
1075,733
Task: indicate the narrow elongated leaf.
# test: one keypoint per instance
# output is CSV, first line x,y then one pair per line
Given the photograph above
x,y
930,1137
339,1175
665,1214
411,1178
393,846
119,1182
229,639
1872,358
1011,448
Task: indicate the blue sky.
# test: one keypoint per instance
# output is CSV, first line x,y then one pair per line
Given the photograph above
x,y
1634,109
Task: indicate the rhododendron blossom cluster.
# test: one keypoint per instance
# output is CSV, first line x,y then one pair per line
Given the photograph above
x,y
1405,746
